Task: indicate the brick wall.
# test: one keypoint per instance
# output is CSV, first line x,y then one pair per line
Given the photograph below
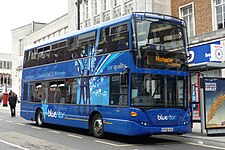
x,y
202,13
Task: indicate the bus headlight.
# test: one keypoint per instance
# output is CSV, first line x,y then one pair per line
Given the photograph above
x,y
144,124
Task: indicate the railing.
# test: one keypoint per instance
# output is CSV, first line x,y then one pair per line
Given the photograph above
x,y
129,7
106,15
117,11
97,19
87,22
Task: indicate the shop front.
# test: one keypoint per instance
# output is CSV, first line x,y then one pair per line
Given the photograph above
x,y
206,63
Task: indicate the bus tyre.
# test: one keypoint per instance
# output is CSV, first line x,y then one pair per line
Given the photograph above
x,y
97,126
39,118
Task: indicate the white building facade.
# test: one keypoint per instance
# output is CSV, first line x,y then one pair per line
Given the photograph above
x,y
18,43
96,11
5,72
91,12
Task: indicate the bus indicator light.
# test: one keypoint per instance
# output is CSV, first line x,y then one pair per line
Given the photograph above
x,y
133,114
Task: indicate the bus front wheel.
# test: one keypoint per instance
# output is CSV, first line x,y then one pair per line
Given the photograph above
x,y
39,118
97,126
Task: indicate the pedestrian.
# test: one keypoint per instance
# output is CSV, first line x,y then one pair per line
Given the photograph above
x,y
40,99
12,102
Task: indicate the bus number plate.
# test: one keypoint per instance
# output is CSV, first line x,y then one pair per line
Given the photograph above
x,y
167,129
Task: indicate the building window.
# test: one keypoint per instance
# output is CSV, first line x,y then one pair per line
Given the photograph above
x,y
220,13
4,64
21,46
116,2
8,66
187,13
106,5
86,9
96,7
65,30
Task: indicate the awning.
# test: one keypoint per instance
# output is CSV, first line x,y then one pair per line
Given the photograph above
x,y
206,66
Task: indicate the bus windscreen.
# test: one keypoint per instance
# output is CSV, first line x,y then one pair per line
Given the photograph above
x,y
158,90
161,45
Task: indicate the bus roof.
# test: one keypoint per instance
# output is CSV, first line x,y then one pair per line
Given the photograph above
x,y
108,23
159,16
84,30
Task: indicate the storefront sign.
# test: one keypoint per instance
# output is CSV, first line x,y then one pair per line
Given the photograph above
x,y
211,52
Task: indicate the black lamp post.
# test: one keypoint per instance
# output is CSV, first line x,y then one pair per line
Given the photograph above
x,y
78,13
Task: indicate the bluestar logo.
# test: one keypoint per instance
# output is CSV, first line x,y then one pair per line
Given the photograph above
x,y
55,114
166,117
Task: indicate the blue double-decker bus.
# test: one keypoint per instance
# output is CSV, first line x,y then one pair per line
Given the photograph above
x,y
126,76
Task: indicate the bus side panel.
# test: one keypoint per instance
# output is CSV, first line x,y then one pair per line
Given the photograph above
x,y
116,119
101,65
67,115
27,110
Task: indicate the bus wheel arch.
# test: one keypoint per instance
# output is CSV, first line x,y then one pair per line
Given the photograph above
x,y
96,125
39,117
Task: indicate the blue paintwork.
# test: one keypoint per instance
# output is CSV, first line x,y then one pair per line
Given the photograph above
x,y
106,64
116,119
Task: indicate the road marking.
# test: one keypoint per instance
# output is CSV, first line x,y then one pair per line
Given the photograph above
x,y
21,124
203,145
112,144
14,145
166,143
36,128
52,131
79,137
8,121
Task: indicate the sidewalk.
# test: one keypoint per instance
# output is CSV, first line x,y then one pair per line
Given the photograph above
x,y
196,134
7,108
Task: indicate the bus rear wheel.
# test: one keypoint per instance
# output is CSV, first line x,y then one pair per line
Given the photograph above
x,y
97,126
39,118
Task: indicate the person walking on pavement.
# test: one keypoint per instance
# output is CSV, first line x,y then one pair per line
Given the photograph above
x,y
12,102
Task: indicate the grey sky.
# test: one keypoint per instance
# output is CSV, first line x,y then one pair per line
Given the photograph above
x,y
16,13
